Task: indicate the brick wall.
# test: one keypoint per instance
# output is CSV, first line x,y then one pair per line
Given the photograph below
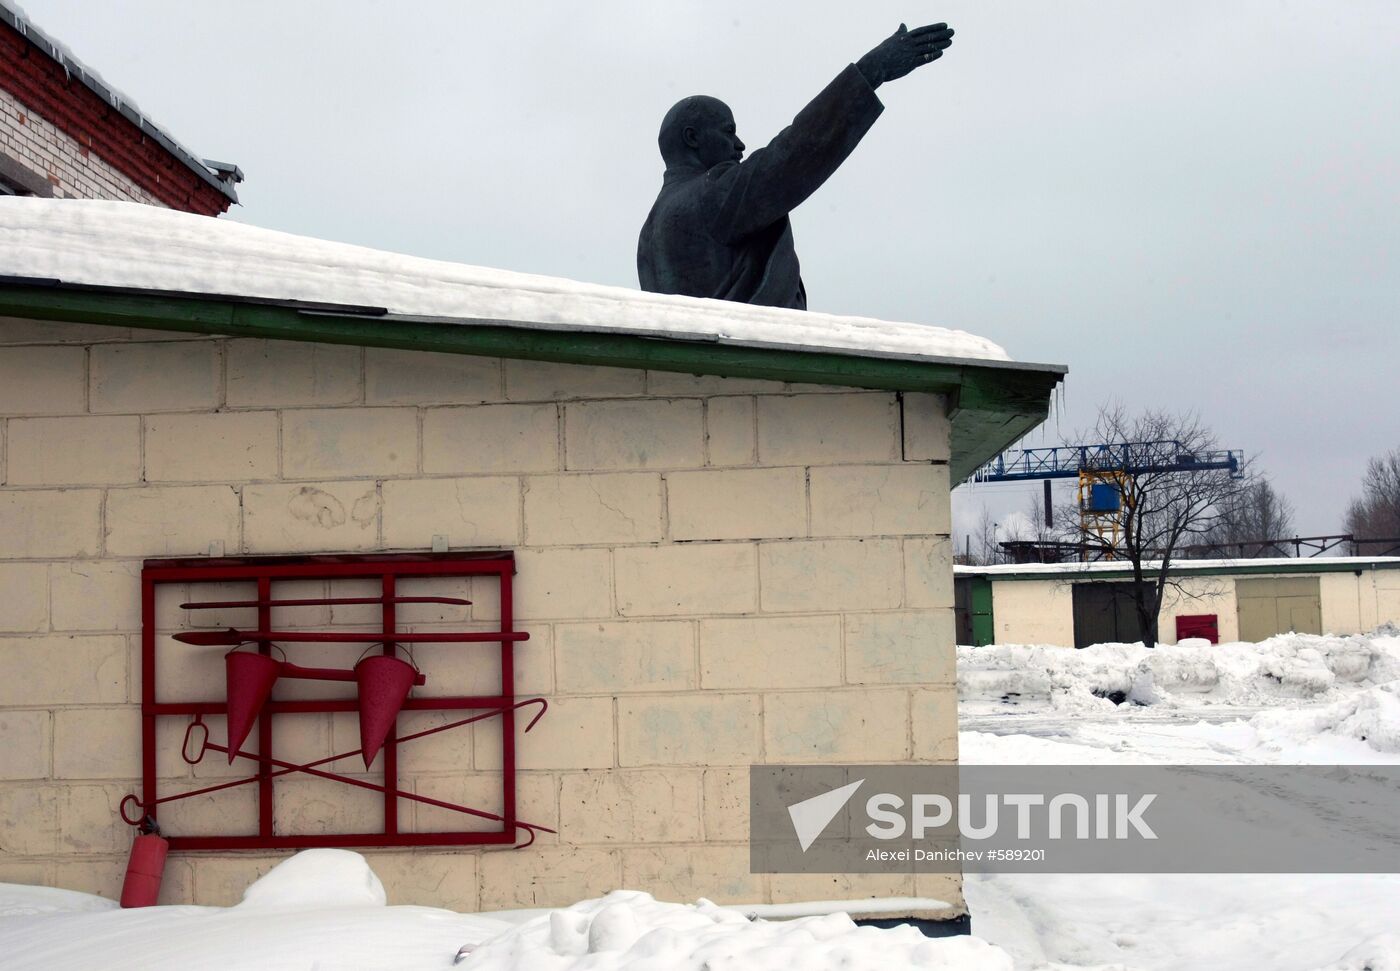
x,y
58,159
713,573
59,137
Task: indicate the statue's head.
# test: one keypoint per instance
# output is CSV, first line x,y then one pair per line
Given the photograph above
x,y
699,129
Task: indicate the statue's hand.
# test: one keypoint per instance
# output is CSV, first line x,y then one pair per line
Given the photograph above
x,y
903,51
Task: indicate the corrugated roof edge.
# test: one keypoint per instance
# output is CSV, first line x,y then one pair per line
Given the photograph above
x,y
991,403
16,18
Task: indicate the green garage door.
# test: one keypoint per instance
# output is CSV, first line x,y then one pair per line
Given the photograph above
x,y
1277,605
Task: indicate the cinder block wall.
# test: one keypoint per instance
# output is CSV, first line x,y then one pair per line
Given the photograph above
x,y
713,573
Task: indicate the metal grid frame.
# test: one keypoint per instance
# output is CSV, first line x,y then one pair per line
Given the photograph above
x,y
388,568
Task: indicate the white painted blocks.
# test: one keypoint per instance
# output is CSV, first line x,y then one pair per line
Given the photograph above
x,y
24,597
27,739
763,652
926,427
349,442
53,523
546,877
43,380
555,584
576,510
307,517
97,743
630,806
169,376
687,873
720,729
74,451
171,520
666,383
394,377
880,500
632,656
577,733
915,647
29,819
928,572
737,504
936,724
59,670
685,579
469,512
220,447
831,575
655,433
96,595
713,572
273,374
491,439
546,381
850,725
820,429
731,433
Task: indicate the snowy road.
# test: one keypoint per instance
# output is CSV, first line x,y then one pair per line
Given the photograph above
x,y
1166,922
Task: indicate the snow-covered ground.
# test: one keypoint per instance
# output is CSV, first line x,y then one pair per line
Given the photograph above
x,y
1290,700
1294,699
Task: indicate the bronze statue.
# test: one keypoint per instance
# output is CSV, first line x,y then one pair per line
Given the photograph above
x,y
719,227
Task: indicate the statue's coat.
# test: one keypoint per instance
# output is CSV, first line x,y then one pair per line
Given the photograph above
x,y
724,232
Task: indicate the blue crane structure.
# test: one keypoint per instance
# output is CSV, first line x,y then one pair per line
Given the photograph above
x,y
1105,473
1130,458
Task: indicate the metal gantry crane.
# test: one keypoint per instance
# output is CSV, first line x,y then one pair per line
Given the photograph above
x,y
1103,471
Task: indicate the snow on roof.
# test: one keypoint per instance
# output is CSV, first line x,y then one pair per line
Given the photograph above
x,y
1295,564
118,244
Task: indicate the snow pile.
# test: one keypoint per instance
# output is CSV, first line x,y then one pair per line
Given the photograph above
x,y
1018,674
1371,716
630,930
18,901
1192,673
319,909
318,878
121,244
1380,953
326,908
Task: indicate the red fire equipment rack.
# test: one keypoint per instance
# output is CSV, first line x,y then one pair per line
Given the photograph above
x,y
267,572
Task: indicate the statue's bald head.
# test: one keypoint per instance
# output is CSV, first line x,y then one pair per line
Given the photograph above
x,y
699,129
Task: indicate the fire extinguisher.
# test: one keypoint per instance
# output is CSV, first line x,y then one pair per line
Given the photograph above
x,y
146,866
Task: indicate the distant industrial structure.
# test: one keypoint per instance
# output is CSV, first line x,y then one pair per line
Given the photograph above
x,y
66,133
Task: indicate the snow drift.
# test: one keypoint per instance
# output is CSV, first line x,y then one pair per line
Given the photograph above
x,y
325,908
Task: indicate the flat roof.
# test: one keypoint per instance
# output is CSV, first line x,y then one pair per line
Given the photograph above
x,y
13,15
125,264
1113,569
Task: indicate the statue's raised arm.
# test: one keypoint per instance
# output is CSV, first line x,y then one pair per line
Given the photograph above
x,y
720,227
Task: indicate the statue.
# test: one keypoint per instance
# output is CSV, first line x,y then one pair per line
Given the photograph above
x,y
719,227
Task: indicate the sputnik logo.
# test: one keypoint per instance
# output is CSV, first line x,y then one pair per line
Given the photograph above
x,y
811,816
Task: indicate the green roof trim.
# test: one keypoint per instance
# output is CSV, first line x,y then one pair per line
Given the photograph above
x,y
1317,564
992,404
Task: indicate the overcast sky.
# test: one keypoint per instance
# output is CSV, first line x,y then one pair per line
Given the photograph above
x,y
1192,205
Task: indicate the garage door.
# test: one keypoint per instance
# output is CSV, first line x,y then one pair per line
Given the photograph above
x,y
1277,605
1104,613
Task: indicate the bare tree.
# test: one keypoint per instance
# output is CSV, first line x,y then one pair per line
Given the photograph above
x,y
1253,515
985,550
1157,512
1376,514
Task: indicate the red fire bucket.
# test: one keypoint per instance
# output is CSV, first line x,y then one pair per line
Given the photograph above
x,y
249,678
383,682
